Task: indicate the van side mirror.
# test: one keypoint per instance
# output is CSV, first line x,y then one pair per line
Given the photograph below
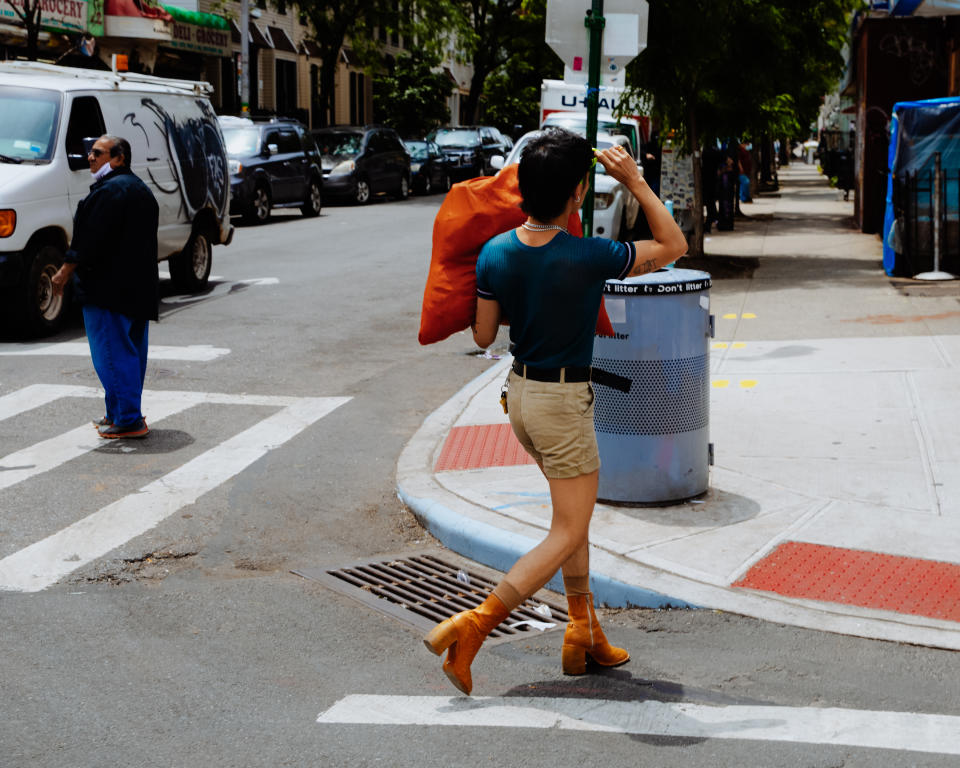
x,y
78,162
496,162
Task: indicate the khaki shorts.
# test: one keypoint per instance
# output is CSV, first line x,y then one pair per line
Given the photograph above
x,y
554,424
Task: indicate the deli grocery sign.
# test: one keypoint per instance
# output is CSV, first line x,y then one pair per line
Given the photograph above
x,y
61,15
192,37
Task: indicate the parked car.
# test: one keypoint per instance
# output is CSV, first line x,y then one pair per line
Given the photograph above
x,y
470,149
361,162
273,164
49,116
429,169
615,208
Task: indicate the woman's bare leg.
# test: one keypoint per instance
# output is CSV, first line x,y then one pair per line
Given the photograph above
x,y
566,545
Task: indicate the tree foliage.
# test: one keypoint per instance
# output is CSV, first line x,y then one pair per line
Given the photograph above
x,y
412,98
511,94
487,33
738,68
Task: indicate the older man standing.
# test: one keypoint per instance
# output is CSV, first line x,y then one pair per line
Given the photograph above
x,y
114,256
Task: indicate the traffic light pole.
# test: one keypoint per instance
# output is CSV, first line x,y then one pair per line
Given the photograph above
x,y
594,23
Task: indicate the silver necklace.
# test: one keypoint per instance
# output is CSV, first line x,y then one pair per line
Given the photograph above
x,y
542,227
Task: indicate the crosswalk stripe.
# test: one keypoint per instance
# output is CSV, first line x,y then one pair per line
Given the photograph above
x,y
37,395
907,731
47,561
194,353
47,454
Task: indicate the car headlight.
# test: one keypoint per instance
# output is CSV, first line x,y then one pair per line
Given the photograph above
x,y
602,201
347,166
234,166
415,167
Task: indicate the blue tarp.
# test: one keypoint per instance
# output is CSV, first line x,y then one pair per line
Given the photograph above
x,y
918,130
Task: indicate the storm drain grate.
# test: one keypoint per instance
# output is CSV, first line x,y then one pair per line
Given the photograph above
x,y
423,590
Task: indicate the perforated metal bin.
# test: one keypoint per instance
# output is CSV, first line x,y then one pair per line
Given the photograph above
x,y
654,441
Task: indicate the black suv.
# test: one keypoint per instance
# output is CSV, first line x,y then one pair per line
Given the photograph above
x,y
469,148
361,162
273,164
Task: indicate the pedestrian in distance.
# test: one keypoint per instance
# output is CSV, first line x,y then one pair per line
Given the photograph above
x,y
745,163
549,285
113,262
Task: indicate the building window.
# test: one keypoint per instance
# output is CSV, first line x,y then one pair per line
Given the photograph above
x,y
286,74
357,98
282,7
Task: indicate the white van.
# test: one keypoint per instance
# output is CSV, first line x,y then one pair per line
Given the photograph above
x,y
46,115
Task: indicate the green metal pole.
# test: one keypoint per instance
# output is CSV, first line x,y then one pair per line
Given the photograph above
x,y
594,23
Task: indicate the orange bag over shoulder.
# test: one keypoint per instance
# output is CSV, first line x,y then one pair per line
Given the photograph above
x,y
472,213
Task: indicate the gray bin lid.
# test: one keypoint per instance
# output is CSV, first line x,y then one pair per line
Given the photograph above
x,y
663,282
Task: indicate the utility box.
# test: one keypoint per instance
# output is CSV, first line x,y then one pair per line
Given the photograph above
x,y
654,439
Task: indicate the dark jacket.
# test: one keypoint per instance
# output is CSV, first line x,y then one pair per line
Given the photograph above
x,y
115,246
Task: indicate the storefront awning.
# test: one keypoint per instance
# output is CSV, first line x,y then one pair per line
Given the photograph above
x,y
258,36
925,8
281,40
197,18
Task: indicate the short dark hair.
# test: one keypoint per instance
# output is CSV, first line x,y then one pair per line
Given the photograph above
x,y
551,166
119,146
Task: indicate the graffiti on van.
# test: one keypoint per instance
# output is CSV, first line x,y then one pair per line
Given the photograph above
x,y
196,157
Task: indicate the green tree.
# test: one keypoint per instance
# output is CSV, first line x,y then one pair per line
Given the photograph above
x,y
742,67
486,32
333,23
412,98
511,94
30,14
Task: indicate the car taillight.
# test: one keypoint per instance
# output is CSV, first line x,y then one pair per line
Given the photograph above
x,y
8,222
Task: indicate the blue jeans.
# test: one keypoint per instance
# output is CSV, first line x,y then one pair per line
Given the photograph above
x,y
118,346
744,188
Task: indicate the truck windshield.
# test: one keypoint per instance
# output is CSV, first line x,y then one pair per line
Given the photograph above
x,y
28,124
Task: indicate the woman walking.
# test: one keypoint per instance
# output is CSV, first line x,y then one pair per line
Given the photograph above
x,y
549,285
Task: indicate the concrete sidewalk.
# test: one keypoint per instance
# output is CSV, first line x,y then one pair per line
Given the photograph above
x,y
834,500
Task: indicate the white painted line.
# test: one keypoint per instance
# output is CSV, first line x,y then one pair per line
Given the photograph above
x,y
40,394
44,563
199,353
49,454
906,731
221,289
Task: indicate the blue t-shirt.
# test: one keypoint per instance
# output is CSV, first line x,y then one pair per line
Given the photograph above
x,y
551,293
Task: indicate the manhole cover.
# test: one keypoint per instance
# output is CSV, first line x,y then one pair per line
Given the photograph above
x,y
423,590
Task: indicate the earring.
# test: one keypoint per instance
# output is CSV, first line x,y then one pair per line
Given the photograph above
x,y
576,198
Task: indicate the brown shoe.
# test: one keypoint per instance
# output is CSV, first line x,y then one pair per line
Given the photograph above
x,y
584,637
136,430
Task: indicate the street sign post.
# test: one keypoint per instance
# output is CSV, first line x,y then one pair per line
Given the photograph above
x,y
577,35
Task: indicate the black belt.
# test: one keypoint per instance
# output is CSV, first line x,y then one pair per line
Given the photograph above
x,y
573,374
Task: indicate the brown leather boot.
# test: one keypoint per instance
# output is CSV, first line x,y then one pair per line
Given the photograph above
x,y
463,634
585,637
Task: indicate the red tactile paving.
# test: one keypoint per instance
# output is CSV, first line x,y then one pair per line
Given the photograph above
x,y
887,582
484,445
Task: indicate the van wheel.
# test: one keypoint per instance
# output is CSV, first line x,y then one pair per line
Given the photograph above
x,y
314,201
190,268
40,312
259,210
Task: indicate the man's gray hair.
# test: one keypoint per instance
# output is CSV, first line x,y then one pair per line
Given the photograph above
x,y
119,146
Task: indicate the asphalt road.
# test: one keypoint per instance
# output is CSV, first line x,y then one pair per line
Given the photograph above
x,y
191,643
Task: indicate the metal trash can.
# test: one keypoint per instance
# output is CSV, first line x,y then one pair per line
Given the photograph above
x,y
653,440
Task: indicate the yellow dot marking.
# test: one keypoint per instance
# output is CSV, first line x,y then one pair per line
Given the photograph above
x,y
730,317
748,316
739,345
721,383
720,345
748,383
